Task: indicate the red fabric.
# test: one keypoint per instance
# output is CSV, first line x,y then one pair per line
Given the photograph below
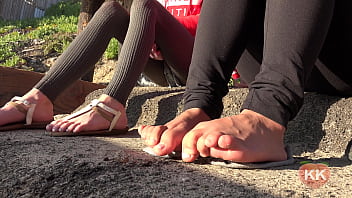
x,y
190,22
235,75
185,11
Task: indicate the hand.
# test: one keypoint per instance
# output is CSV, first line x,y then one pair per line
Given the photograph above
x,y
155,53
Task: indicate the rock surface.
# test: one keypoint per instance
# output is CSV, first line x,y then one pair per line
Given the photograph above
x,y
35,165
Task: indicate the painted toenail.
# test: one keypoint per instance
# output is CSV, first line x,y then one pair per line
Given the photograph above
x,y
186,156
160,146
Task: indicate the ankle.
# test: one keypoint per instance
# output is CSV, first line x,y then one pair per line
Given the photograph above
x,y
267,122
37,97
112,102
196,114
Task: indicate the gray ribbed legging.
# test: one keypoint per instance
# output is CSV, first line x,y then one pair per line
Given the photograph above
x,y
148,23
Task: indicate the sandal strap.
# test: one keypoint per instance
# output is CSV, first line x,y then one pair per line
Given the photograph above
x,y
18,103
103,113
98,104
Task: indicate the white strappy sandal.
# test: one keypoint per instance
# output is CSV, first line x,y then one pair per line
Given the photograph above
x,y
27,108
98,107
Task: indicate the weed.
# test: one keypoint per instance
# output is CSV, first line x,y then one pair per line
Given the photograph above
x,y
55,31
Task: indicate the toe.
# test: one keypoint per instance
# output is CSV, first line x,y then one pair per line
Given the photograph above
x,y
153,135
51,125
226,154
170,139
71,127
231,148
141,131
202,148
189,145
63,127
78,127
56,126
228,142
212,139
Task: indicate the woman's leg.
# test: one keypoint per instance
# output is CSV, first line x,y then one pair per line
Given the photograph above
x,y
222,35
295,31
294,34
332,74
149,23
111,20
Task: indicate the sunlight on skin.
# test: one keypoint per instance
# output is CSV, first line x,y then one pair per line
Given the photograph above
x,y
43,110
247,137
91,121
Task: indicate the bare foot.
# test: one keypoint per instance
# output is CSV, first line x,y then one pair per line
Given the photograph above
x,y
166,138
43,110
91,120
247,137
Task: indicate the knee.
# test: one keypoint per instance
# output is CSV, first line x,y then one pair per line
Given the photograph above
x,y
111,8
143,5
109,4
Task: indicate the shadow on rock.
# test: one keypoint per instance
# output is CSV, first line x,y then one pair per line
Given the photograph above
x,y
166,108
306,132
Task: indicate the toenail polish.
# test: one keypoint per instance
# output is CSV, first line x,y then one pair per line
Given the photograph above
x,y
186,156
160,146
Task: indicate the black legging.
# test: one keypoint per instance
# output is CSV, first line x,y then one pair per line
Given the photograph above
x,y
275,53
148,22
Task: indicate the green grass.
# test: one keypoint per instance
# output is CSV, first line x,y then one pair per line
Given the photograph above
x,y
56,29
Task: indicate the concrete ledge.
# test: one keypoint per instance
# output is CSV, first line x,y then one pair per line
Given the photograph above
x,y
324,123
